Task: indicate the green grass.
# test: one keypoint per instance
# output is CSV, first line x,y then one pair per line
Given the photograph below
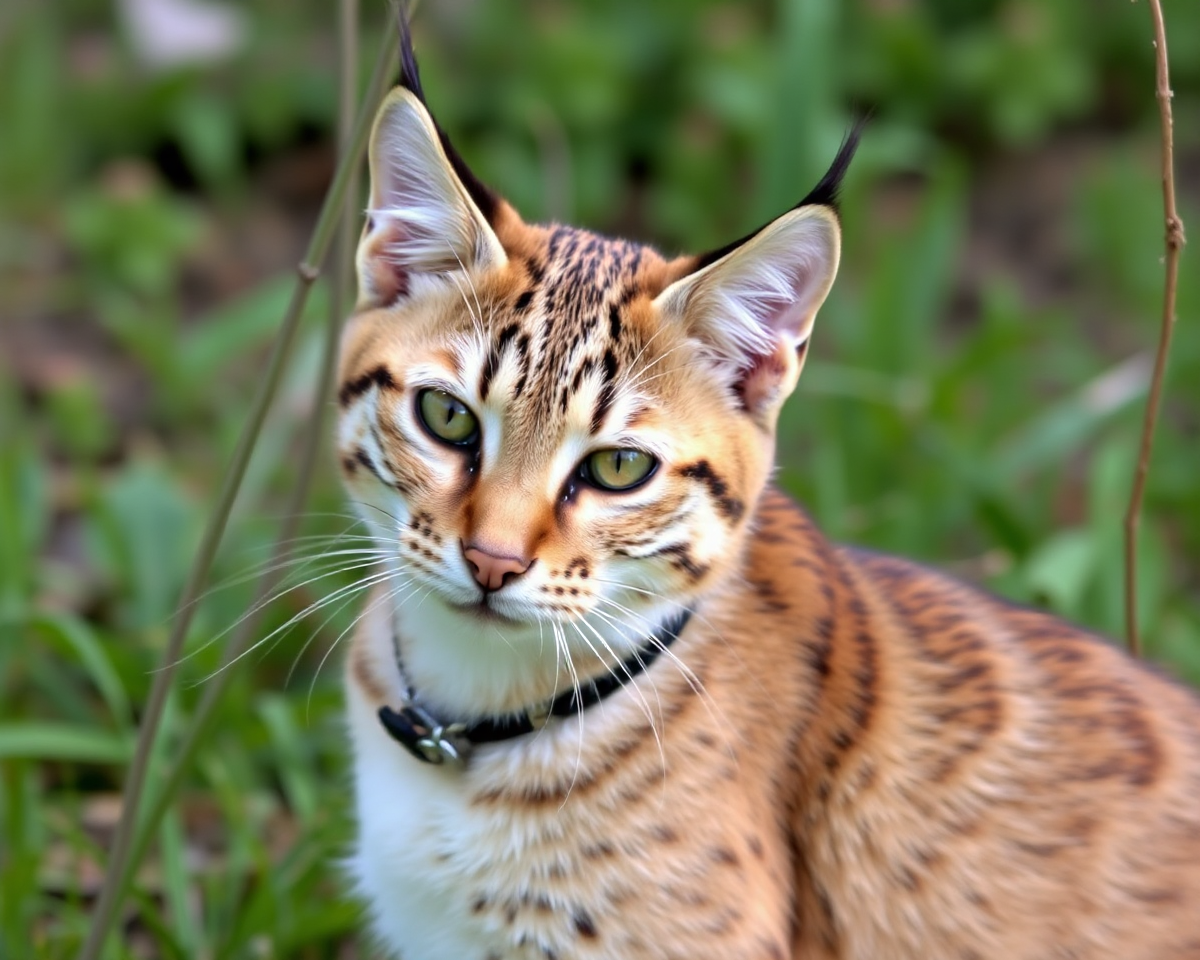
x,y
973,399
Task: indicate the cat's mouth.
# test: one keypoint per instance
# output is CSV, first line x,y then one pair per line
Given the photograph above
x,y
483,610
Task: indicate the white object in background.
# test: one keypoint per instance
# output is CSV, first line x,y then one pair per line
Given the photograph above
x,y
170,33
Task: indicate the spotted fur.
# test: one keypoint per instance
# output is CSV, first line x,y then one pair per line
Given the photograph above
x,y
844,755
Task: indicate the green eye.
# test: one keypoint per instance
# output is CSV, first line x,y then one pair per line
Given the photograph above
x,y
447,417
619,468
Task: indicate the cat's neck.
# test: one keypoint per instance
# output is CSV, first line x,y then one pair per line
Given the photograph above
x,y
460,665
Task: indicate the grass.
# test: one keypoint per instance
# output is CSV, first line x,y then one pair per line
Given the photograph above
x,y
973,400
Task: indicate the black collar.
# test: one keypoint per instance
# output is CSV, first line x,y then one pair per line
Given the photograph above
x,y
435,741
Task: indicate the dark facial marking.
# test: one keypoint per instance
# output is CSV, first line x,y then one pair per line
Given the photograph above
x,y
492,364
361,456
729,507
607,390
614,323
379,377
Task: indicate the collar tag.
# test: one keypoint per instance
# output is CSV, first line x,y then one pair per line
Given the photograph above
x,y
540,715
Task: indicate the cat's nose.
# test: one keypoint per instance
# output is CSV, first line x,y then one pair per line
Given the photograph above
x,y
491,570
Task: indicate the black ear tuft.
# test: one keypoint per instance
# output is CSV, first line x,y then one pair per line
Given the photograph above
x,y
410,75
410,79
824,194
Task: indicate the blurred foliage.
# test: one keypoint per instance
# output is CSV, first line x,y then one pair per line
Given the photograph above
x,y
973,400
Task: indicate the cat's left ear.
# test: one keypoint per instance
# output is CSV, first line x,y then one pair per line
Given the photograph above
x,y
753,302
428,214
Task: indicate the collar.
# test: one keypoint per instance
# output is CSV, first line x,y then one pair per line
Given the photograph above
x,y
435,740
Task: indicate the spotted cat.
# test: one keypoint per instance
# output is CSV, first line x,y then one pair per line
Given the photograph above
x,y
614,696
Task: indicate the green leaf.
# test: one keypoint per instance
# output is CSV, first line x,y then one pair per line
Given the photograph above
x,y
77,637
1059,569
146,529
46,740
294,757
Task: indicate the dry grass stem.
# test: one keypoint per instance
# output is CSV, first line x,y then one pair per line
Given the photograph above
x,y
1175,240
121,859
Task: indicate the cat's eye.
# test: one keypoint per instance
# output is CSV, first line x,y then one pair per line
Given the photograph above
x,y
618,468
447,418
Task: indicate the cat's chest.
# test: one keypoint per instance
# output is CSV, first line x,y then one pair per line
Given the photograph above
x,y
450,869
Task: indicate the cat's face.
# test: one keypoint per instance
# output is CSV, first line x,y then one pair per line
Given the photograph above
x,y
549,425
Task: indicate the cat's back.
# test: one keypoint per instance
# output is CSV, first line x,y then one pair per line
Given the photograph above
x,y
979,779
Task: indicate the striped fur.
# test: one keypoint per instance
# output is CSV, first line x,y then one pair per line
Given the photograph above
x,y
843,756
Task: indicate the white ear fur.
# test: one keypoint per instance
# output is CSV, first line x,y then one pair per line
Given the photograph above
x,y
422,220
764,292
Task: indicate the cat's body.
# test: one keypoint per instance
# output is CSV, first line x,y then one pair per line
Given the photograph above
x,y
897,766
563,441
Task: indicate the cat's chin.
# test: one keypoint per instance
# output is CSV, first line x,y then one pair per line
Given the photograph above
x,y
483,611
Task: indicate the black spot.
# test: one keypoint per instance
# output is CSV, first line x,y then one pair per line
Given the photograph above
x,y
523,301
379,377
584,925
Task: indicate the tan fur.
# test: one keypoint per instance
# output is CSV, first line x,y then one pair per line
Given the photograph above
x,y
851,757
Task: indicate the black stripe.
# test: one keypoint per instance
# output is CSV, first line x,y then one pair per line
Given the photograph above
x,y
379,377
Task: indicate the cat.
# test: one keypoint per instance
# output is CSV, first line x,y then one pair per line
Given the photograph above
x,y
613,695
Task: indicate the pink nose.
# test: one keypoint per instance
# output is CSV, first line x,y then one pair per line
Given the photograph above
x,y
492,571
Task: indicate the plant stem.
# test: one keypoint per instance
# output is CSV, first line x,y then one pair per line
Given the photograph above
x,y
1175,240
120,863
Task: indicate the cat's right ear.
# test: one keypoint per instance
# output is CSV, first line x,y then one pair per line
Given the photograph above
x,y
428,215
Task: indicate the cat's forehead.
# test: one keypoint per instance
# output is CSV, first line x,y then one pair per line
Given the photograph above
x,y
573,308
574,279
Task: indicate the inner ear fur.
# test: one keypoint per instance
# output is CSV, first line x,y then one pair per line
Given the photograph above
x,y
754,306
421,218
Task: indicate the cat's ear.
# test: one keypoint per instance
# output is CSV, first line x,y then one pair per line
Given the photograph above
x,y
753,302
427,214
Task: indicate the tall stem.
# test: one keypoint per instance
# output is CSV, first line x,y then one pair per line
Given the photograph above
x,y
120,862
1175,240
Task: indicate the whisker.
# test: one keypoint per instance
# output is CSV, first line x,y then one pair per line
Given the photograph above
x,y
386,598
630,684
311,608
560,642
716,714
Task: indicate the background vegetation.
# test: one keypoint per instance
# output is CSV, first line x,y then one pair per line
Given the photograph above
x,y
973,399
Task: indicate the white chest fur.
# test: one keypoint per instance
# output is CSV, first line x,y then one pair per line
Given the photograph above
x,y
447,875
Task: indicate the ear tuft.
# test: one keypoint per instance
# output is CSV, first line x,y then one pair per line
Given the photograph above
x,y
410,79
753,302
428,214
826,192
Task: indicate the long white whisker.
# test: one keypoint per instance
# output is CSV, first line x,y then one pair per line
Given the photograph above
x,y
560,641
387,597
266,602
716,714
311,608
636,688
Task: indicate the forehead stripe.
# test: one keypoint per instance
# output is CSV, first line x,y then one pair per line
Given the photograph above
x,y
495,355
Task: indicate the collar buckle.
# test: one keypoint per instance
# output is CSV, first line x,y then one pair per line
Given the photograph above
x,y
426,739
445,744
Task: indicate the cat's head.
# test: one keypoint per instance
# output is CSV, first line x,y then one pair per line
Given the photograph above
x,y
550,425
